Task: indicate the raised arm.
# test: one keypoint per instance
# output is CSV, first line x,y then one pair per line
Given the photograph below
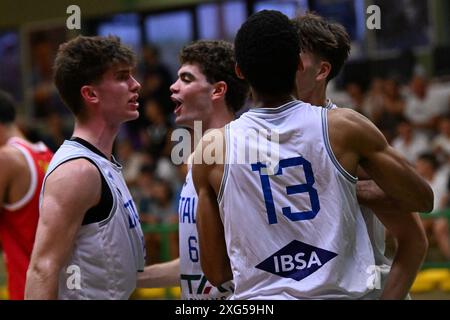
x,y
70,191
207,177
355,140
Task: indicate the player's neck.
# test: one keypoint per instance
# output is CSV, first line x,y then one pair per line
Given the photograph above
x,y
220,119
100,136
316,97
269,100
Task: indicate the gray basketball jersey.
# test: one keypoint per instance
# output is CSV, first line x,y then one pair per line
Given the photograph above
x,y
293,227
194,284
106,255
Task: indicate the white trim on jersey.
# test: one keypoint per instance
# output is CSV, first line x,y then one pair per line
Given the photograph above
x,y
33,181
226,166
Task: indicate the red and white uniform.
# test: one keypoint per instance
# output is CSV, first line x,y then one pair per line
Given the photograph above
x,y
18,221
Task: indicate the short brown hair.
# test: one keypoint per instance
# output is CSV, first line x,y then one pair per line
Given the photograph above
x,y
216,61
84,60
325,39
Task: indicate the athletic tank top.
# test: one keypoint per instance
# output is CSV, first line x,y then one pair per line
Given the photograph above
x,y
194,284
106,255
18,221
292,223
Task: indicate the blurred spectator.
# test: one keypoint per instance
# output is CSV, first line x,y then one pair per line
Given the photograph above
x,y
427,166
424,105
441,143
373,105
155,136
55,131
156,206
10,75
156,79
356,95
409,142
393,106
131,161
338,97
45,97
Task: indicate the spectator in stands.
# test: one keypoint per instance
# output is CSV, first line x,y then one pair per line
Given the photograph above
x,y
373,104
409,142
424,105
392,108
427,166
156,79
441,143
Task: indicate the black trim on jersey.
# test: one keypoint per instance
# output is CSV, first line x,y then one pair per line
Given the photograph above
x,y
101,210
89,146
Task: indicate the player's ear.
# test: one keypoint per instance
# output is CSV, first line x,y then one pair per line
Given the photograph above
x,y
89,94
324,70
220,89
238,71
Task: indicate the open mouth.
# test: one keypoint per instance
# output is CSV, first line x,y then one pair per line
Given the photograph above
x,y
178,104
134,101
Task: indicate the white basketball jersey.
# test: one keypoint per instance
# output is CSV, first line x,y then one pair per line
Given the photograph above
x,y
377,237
194,284
107,254
293,228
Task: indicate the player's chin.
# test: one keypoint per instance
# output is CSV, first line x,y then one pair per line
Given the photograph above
x,y
182,121
132,115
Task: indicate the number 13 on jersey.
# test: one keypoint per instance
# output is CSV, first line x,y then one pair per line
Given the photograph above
x,y
292,189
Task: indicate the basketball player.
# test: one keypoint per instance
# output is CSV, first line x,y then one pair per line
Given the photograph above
x,y
293,229
207,90
325,48
89,242
23,165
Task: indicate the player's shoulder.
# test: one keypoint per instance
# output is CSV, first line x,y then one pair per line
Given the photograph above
x,y
9,156
80,169
346,119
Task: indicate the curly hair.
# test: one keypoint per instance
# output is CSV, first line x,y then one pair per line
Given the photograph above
x,y
267,51
7,108
327,40
84,60
215,59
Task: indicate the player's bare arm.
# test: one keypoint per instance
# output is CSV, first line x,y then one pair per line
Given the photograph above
x,y
5,175
160,275
70,191
207,178
355,140
410,235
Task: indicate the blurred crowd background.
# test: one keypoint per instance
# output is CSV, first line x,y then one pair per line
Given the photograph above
x,y
397,76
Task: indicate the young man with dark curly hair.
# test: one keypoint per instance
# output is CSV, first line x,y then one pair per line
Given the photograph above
x,y
325,48
207,90
89,242
293,229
